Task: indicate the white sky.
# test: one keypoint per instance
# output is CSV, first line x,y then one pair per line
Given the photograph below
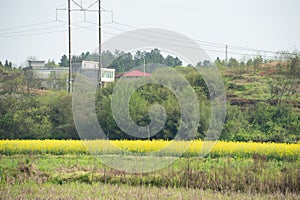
x,y
261,24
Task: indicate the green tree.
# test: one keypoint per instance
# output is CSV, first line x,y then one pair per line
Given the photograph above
x,y
249,64
155,56
60,115
199,64
173,62
233,62
8,65
107,58
139,57
64,61
236,125
50,64
286,80
218,63
206,63
256,62
10,79
123,63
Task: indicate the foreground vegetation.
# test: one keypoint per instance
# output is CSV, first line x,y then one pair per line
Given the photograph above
x,y
98,191
192,176
32,169
271,151
262,114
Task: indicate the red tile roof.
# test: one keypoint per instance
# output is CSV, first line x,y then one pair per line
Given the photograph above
x,y
136,73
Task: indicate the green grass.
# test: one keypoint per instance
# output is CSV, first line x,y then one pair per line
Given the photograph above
x,y
226,175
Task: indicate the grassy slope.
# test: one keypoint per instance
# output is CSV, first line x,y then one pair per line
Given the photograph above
x,y
250,85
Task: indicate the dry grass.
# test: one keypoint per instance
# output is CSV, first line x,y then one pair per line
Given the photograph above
x,y
227,175
107,191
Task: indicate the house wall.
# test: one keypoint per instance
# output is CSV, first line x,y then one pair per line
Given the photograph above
x,y
107,75
89,65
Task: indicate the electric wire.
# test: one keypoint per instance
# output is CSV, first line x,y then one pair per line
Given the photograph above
x,y
28,25
217,47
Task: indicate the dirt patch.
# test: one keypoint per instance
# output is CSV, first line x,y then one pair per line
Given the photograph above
x,y
25,172
74,168
234,100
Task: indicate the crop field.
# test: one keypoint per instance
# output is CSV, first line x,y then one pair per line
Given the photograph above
x,y
35,169
271,151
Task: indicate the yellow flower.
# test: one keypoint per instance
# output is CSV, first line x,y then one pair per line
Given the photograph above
x,y
161,147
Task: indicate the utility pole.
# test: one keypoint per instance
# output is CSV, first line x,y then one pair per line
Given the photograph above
x,y
144,66
100,61
70,56
82,9
226,55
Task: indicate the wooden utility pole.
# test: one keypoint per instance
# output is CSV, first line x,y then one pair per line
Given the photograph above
x,y
100,61
70,56
226,55
82,9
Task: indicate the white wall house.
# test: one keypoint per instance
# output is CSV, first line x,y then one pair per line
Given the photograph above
x,y
107,74
36,64
51,78
89,65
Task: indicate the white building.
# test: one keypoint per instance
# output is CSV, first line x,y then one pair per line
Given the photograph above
x,y
89,65
107,74
55,78
36,64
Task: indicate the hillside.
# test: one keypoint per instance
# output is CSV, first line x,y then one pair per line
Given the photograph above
x,y
262,105
246,87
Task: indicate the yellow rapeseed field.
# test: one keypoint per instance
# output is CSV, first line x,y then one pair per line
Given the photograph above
x,y
160,147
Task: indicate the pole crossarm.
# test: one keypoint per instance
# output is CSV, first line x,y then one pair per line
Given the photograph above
x,y
82,9
79,10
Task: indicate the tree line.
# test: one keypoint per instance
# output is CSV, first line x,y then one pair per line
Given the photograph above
x,y
49,115
122,61
41,115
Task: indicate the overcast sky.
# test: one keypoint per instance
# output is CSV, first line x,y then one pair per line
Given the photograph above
x,y
260,24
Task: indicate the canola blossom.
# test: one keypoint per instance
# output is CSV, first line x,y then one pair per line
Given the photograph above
x,y
275,151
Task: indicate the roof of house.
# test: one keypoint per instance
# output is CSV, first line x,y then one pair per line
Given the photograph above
x,y
136,73
36,61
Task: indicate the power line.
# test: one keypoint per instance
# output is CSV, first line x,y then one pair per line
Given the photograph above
x,y
209,45
44,33
157,35
28,25
205,43
32,30
201,41
32,34
170,44
257,50
213,43
166,36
